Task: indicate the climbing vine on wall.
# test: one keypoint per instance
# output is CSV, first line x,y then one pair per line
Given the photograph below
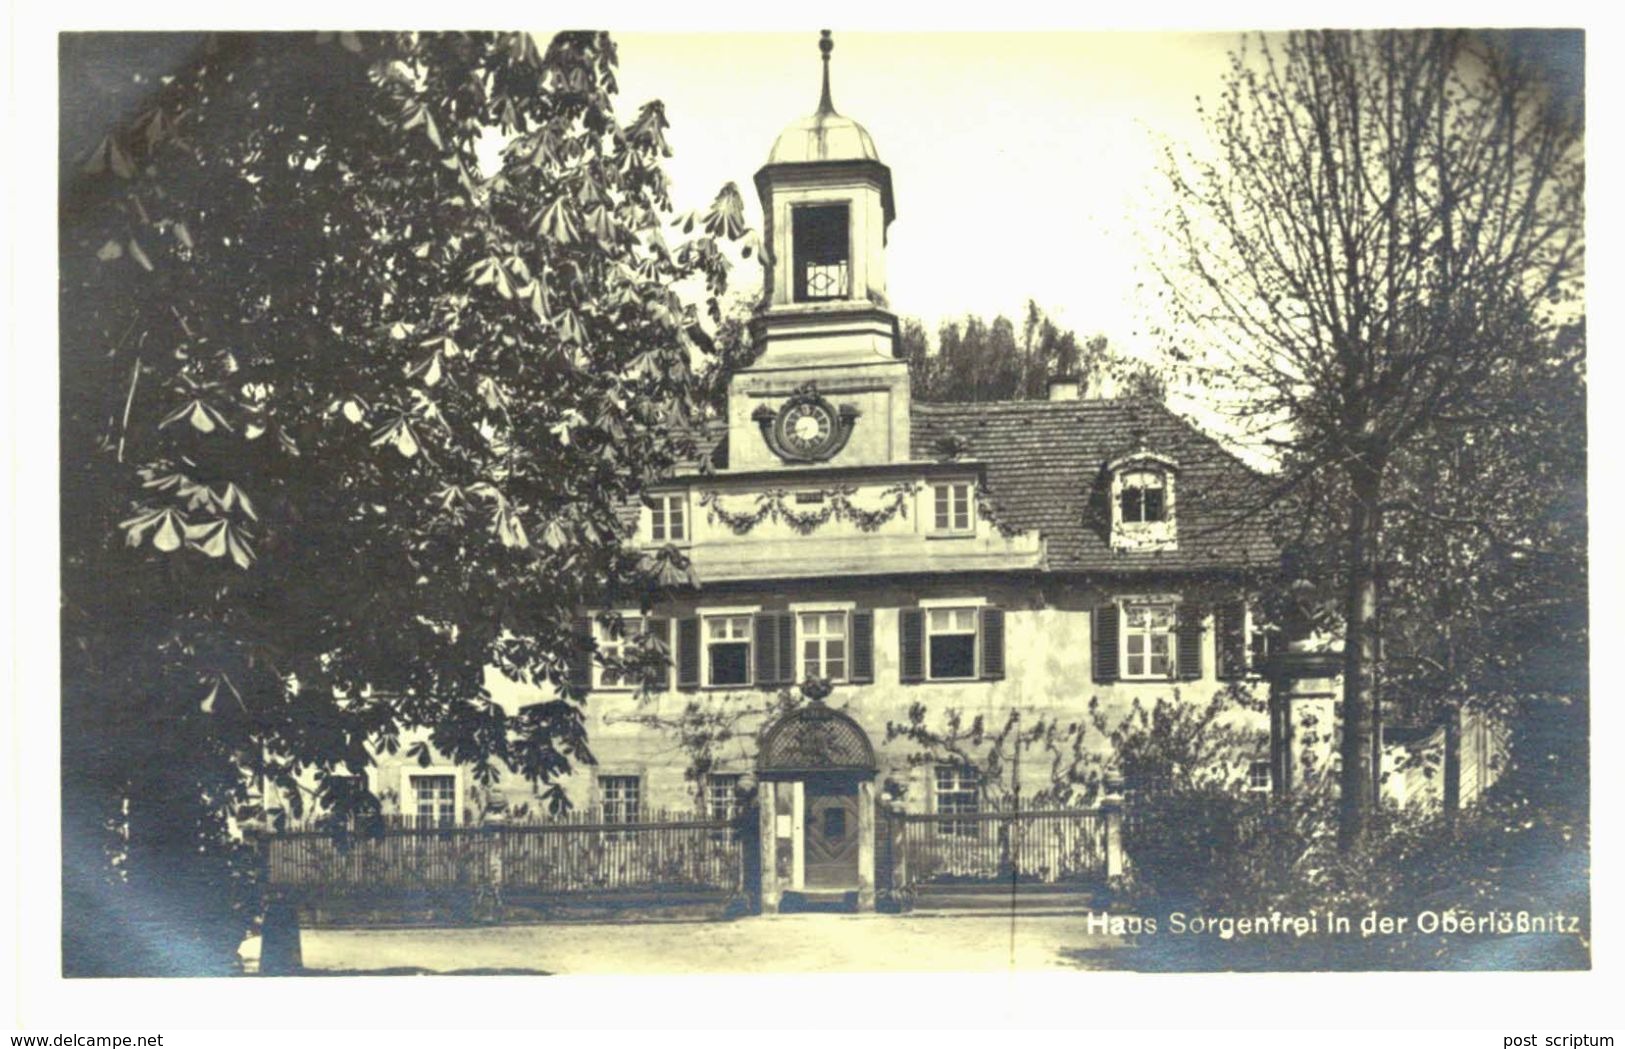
x,y
832,504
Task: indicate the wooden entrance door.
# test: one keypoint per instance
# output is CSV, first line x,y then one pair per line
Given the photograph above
x,y
830,827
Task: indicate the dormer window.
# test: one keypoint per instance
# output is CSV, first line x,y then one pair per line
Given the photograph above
x,y
1144,497
1142,502
822,253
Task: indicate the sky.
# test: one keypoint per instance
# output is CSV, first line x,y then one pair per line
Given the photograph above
x,y
1025,165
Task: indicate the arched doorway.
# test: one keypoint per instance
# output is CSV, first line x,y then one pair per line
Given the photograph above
x,y
816,770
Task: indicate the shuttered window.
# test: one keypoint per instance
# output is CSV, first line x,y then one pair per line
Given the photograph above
x,y
863,646
1106,631
1190,635
614,648
659,679
775,648
727,650
911,644
950,637
579,669
1230,643
688,652
951,644
993,643
1148,641
824,651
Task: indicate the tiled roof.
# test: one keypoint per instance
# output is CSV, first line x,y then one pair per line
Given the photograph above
x,y
1045,460
1044,465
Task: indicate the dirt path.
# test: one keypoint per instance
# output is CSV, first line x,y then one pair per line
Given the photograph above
x,y
781,943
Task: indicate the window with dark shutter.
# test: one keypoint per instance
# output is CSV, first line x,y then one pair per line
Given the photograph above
x,y
863,646
580,666
1230,622
1105,644
775,634
660,680
688,652
787,648
767,648
993,643
1189,627
911,644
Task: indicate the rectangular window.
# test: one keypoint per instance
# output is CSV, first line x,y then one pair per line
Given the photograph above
x,y
952,508
822,253
623,798
1144,497
823,645
1258,776
613,649
1148,641
958,793
435,800
727,650
722,795
950,643
668,518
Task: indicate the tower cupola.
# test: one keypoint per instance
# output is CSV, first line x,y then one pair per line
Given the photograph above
x,y
827,335
827,201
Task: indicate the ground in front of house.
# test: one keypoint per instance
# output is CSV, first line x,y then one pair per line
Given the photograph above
x,y
777,943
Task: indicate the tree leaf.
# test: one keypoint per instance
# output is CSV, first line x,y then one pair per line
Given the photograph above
x,y
170,533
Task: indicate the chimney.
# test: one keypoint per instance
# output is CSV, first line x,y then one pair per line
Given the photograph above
x,y
1063,388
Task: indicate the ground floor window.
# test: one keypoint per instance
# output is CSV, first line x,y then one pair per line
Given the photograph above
x,y
722,795
435,800
622,798
1258,776
958,792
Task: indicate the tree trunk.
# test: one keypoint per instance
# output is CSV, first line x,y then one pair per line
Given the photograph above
x,y
1358,782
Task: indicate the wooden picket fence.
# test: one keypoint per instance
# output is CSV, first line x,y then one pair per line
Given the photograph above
x,y
1042,846
579,852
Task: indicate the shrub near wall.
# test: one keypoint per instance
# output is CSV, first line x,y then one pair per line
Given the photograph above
x,y
1503,886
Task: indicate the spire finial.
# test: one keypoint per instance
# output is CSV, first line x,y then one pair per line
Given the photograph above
x,y
825,46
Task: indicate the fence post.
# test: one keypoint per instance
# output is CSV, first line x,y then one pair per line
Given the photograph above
x,y
281,953
1111,812
897,827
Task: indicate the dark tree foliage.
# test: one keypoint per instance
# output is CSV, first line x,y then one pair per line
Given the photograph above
x,y
346,422
977,360
1385,253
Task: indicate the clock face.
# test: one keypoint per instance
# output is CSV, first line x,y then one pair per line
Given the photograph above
x,y
806,427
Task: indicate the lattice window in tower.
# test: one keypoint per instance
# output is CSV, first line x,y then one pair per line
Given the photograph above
x,y
822,253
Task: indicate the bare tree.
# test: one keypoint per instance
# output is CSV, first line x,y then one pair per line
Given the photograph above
x,y
1386,217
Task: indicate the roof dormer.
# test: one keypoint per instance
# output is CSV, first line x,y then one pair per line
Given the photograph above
x,y
1141,491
